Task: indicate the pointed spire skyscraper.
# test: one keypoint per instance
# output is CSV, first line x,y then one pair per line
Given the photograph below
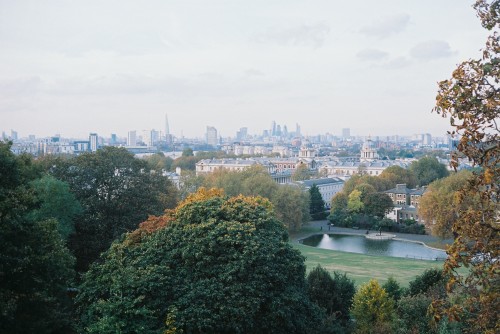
x,y
167,130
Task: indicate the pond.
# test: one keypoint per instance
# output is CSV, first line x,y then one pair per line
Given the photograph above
x,y
360,244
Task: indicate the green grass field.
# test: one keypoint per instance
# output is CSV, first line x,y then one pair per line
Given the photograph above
x,y
361,268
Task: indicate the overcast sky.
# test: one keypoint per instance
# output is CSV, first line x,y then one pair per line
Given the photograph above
x,y
74,67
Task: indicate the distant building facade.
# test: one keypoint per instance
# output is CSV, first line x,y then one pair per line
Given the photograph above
x,y
406,202
132,138
212,138
328,187
94,142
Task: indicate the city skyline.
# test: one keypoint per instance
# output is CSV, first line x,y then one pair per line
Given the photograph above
x,y
91,67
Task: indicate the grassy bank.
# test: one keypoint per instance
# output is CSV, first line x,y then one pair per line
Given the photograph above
x,y
362,268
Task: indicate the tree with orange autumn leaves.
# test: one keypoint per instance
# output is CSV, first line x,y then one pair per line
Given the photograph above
x,y
471,100
215,264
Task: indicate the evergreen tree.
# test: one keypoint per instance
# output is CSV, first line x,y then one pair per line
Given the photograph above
x,y
317,205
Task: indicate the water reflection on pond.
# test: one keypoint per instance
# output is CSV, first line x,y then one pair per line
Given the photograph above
x,y
362,245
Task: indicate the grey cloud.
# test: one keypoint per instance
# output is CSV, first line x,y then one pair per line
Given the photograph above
x,y
117,84
431,50
371,54
306,35
385,27
396,63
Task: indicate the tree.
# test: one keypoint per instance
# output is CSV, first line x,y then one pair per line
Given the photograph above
x,y
317,205
332,294
471,100
35,266
339,202
377,204
428,169
397,175
159,162
372,308
355,180
185,163
338,207
37,270
187,152
291,206
393,288
426,281
412,316
440,203
365,189
117,192
301,173
354,204
214,265
56,201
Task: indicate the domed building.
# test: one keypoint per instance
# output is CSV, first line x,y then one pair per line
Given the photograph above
x,y
368,151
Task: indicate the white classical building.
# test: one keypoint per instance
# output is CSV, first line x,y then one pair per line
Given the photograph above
x,y
368,163
280,169
207,166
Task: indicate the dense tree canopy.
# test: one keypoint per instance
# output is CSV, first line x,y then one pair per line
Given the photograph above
x,y
377,204
35,266
117,192
471,100
291,204
440,203
56,201
214,265
333,294
398,175
301,173
428,169
159,162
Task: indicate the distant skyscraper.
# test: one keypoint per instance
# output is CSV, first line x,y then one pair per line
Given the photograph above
x,y
167,129
427,139
297,130
13,135
113,139
346,133
132,138
242,134
273,128
155,137
212,138
150,137
93,140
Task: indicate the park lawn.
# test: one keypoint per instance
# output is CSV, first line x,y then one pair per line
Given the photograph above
x,y
361,268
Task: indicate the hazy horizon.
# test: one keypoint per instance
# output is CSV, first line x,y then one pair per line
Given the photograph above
x,y
73,68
